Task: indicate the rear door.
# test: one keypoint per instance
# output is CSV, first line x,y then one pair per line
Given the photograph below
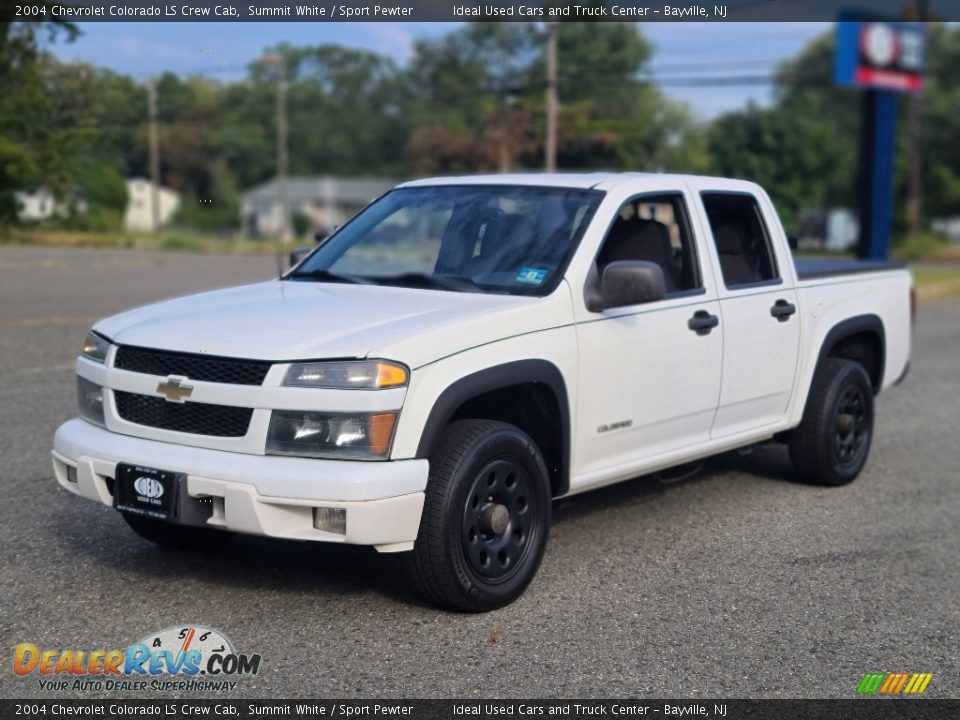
x,y
758,308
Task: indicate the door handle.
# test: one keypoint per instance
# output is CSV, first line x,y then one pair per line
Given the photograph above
x,y
782,310
703,322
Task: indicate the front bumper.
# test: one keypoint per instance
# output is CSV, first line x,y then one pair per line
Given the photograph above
x,y
258,494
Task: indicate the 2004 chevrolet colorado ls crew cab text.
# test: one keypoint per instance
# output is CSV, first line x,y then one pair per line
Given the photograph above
x,y
467,349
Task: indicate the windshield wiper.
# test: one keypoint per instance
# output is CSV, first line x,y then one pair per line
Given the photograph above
x,y
428,280
325,275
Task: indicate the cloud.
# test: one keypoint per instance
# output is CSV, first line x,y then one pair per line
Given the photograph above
x,y
393,40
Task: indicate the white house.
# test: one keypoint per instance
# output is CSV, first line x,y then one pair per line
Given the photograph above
x,y
949,227
40,204
139,212
325,200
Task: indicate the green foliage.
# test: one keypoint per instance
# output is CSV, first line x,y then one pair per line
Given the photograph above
x,y
94,219
29,146
920,246
471,100
100,186
16,165
301,224
804,149
479,97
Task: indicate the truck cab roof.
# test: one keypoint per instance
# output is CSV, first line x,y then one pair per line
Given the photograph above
x,y
597,180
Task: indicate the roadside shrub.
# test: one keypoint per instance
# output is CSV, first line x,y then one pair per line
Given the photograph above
x,y
920,246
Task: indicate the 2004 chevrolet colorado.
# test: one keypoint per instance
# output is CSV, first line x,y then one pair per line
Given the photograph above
x,y
467,349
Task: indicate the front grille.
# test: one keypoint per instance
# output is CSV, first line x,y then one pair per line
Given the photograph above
x,y
189,417
232,371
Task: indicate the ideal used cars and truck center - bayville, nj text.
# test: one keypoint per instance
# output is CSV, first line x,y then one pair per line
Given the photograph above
x,y
465,350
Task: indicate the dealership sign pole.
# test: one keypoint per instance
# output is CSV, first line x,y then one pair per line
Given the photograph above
x,y
885,59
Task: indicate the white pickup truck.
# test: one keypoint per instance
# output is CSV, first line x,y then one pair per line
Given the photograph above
x,y
467,349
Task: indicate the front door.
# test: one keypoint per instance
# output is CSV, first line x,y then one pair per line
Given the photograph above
x,y
649,375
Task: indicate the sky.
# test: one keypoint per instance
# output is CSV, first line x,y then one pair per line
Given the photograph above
x,y
223,50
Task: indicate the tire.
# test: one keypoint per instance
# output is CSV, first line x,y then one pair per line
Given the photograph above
x,y
832,442
485,521
176,537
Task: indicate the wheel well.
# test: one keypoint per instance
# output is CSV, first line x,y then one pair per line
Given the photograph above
x,y
865,348
535,409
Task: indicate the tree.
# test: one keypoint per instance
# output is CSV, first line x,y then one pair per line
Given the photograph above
x,y
805,148
479,94
28,143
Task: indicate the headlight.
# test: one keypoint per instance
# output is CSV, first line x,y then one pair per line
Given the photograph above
x,y
352,374
90,401
95,348
337,436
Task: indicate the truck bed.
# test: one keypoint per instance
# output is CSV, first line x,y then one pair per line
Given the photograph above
x,y
814,268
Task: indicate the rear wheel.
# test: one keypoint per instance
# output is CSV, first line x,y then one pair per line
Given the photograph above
x,y
176,537
831,445
485,518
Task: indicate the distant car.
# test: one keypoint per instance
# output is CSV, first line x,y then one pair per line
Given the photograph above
x,y
465,350
300,253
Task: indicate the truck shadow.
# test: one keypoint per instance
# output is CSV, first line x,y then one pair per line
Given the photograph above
x,y
343,573
245,564
762,463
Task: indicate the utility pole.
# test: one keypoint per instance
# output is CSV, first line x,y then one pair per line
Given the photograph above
x,y
915,191
154,140
283,231
550,145
282,158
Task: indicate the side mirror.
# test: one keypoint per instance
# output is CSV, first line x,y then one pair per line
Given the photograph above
x,y
322,233
299,254
627,282
793,241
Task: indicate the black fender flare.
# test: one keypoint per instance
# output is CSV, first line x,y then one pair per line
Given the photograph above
x,y
855,326
519,372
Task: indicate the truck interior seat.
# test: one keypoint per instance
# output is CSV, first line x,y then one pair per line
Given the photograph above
x,y
647,240
735,261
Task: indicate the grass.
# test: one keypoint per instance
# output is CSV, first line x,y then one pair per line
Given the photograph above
x,y
937,282
932,281
172,240
925,246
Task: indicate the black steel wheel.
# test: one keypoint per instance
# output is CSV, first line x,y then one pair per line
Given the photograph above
x,y
852,435
497,520
485,519
831,445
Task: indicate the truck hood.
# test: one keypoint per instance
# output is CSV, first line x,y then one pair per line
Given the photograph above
x,y
283,320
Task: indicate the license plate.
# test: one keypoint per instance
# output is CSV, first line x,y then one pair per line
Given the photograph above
x,y
147,491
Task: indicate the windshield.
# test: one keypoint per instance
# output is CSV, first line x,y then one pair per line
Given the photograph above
x,y
467,238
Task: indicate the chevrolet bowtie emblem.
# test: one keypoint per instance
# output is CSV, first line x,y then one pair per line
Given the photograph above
x,y
174,389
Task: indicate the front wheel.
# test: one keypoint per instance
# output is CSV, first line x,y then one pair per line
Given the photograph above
x,y
831,445
485,518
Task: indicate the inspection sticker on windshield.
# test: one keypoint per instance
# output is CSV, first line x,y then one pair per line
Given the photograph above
x,y
532,276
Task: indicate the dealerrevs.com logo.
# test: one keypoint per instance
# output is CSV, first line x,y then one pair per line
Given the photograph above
x,y
186,657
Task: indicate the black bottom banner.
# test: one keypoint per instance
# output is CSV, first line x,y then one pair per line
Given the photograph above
x,y
858,709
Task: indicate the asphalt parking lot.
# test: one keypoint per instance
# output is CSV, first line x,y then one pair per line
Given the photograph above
x,y
735,583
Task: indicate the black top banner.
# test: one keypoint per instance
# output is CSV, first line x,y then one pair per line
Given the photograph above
x,y
465,10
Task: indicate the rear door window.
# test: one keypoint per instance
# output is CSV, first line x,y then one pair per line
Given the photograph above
x,y
741,239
